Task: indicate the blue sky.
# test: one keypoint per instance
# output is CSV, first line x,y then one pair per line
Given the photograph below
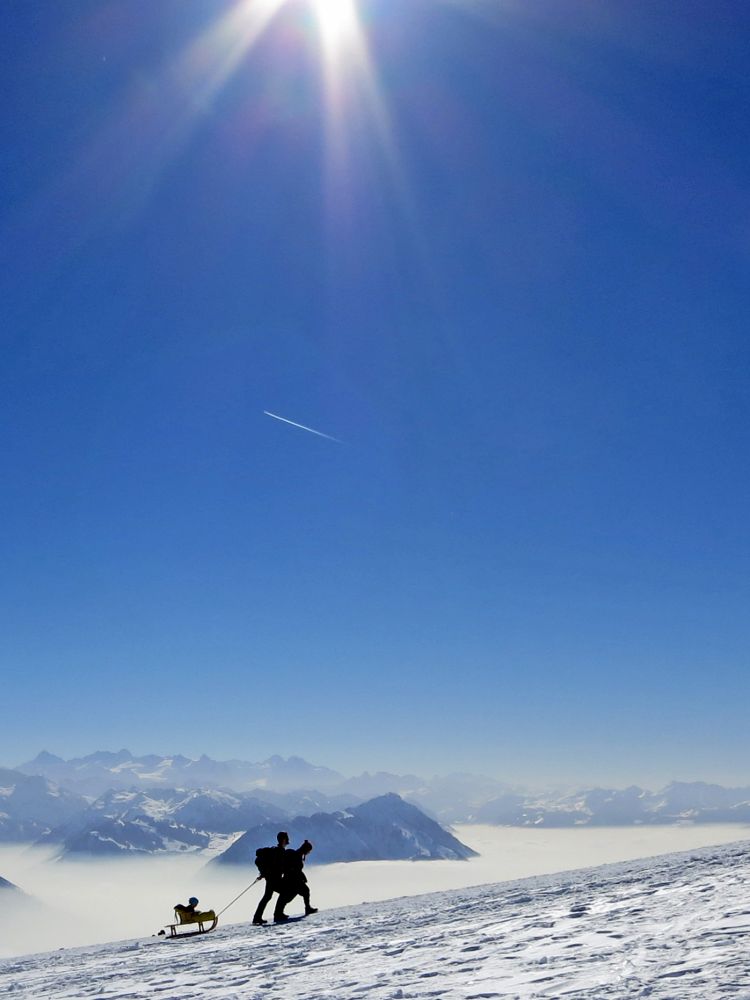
x,y
500,251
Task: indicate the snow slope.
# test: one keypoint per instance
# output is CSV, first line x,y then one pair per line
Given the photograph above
x,y
669,927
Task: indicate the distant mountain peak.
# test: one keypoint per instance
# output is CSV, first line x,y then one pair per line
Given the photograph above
x,y
45,757
383,828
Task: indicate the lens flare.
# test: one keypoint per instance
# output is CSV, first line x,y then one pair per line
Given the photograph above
x,y
337,23
156,117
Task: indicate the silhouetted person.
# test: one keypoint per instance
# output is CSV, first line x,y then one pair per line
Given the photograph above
x,y
294,882
272,872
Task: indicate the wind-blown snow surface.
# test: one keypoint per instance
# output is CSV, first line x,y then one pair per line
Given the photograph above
x,y
667,927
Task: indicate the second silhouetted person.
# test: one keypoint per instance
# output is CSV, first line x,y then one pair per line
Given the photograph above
x,y
294,882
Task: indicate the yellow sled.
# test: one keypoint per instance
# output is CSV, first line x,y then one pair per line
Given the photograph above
x,y
183,918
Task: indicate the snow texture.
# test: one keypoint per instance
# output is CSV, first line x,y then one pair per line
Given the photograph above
x,y
668,927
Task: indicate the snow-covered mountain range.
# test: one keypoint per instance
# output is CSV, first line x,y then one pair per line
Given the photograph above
x,y
108,803
170,820
449,798
30,806
695,801
102,771
663,928
386,827
158,820
132,823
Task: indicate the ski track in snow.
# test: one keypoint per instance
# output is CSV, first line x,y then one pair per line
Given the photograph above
x,y
665,928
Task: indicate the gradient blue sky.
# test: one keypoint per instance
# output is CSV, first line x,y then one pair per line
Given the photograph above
x,y
500,250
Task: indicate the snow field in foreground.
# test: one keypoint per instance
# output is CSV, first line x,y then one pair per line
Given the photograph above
x,y
669,927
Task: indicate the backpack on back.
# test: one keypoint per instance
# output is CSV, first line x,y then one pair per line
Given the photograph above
x,y
267,862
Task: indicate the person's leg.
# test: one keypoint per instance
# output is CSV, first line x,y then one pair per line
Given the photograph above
x,y
285,897
305,893
265,900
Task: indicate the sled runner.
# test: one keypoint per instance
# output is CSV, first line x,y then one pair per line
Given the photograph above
x,y
207,917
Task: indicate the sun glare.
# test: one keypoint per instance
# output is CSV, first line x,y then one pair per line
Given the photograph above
x,y
337,22
349,76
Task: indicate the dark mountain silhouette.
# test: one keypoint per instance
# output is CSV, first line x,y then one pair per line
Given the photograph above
x,y
385,828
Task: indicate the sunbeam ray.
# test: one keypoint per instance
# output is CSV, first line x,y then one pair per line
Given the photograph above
x,y
214,56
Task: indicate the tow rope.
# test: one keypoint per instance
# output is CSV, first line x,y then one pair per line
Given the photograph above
x,y
238,897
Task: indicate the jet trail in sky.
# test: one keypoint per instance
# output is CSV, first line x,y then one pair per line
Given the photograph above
x,y
302,427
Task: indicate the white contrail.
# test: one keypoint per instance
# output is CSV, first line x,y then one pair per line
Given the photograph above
x,y
302,427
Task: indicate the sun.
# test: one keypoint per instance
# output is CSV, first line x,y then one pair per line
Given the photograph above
x,y
337,23
350,89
